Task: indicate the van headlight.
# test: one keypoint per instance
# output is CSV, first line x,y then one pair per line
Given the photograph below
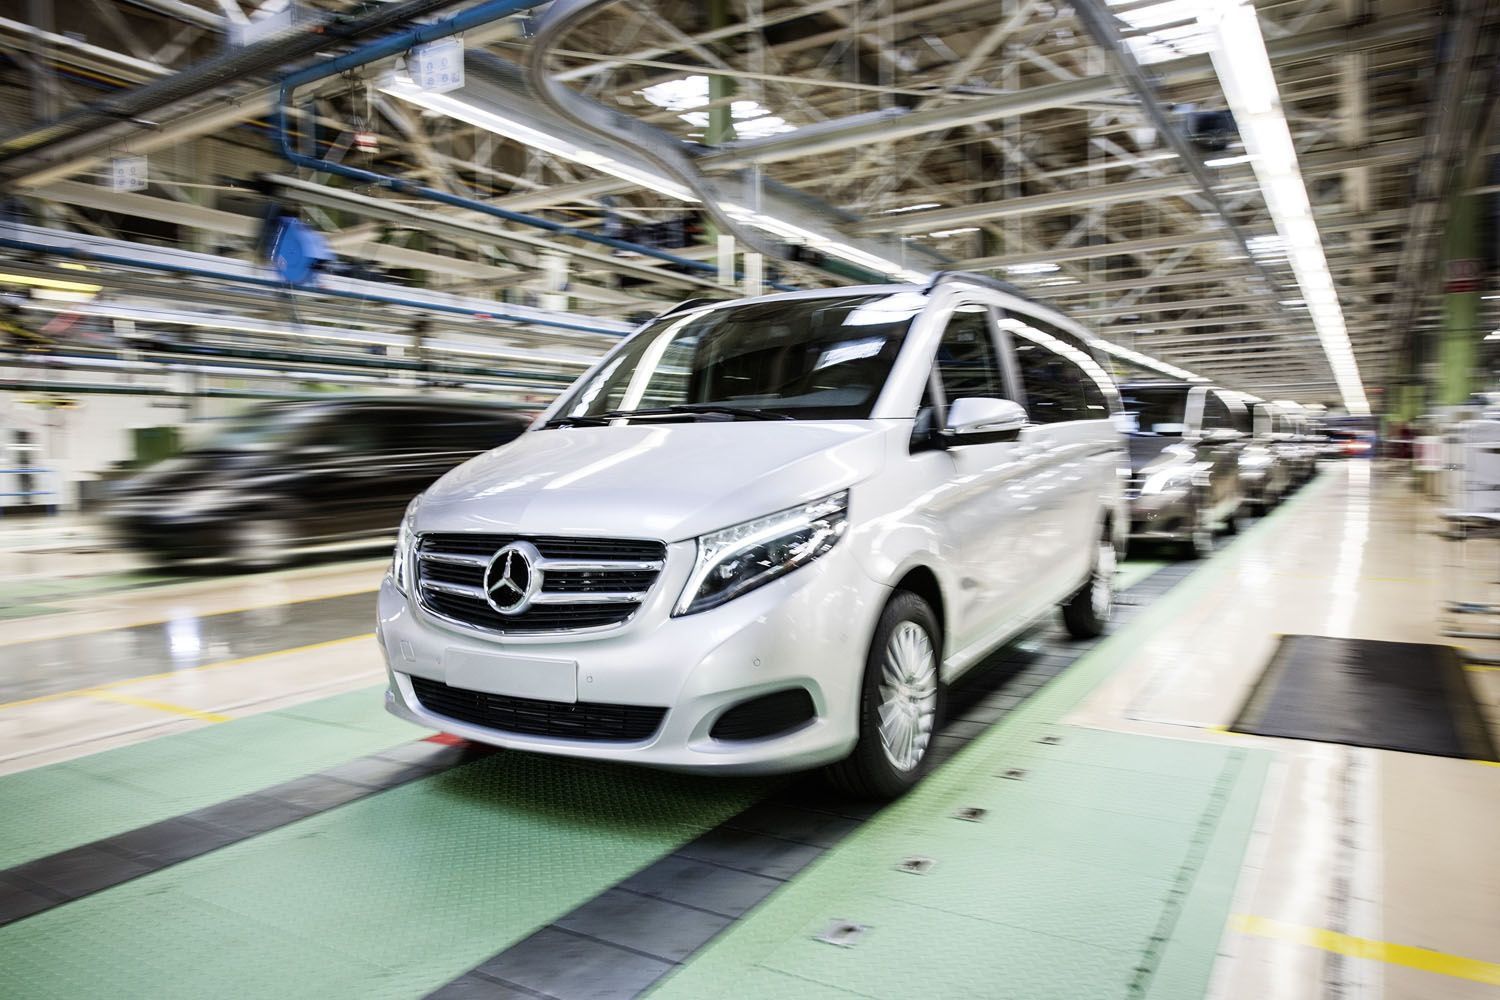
x,y
749,555
405,535
1168,481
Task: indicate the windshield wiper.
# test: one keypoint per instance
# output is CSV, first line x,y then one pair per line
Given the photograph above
x,y
591,421
675,410
752,412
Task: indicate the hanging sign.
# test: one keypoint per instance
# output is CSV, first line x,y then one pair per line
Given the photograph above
x,y
127,173
438,67
1463,276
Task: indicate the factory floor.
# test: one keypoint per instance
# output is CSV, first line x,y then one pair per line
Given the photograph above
x,y
203,796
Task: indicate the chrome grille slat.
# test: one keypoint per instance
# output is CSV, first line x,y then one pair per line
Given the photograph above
x,y
595,565
456,589
586,583
457,559
571,597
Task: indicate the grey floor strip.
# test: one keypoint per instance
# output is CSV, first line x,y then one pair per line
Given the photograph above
x,y
623,941
50,666
48,882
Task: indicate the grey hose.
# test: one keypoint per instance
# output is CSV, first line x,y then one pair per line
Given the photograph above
x,y
625,131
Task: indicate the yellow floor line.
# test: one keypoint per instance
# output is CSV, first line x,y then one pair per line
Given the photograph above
x,y
1442,963
85,692
1481,668
160,706
162,621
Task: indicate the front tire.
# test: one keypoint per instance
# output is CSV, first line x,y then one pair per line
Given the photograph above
x,y
1239,521
1200,543
900,703
262,544
1087,612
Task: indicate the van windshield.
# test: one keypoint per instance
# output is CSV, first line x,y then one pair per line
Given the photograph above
x,y
810,359
1156,409
267,429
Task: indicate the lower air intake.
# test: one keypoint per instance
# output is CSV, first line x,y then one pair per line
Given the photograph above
x,y
584,721
769,715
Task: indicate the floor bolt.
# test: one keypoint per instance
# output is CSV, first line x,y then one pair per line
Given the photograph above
x,y
971,814
1014,774
842,933
915,865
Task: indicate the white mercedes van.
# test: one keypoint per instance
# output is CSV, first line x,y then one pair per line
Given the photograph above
x,y
764,535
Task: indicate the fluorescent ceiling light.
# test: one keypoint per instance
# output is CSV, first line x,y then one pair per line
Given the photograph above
x,y
1031,268
1147,361
1165,30
453,105
912,208
1228,161
944,233
54,284
751,121
1244,70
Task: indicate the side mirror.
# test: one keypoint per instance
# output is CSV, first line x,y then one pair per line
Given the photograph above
x,y
979,419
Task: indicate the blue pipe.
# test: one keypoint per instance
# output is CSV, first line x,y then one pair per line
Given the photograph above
x,y
395,45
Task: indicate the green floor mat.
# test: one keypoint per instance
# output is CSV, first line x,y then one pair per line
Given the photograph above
x,y
390,896
1082,878
50,809
1103,864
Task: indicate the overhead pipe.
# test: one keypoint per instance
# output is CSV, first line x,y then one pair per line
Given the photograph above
x,y
394,45
499,312
262,57
619,129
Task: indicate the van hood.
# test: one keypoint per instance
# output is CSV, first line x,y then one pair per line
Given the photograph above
x,y
654,480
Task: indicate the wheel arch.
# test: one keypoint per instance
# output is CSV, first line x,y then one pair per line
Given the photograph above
x,y
923,581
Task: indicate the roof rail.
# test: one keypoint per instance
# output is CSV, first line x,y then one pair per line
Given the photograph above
x,y
688,304
977,279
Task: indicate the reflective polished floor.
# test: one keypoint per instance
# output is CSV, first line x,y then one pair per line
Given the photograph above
x,y
201,788
1370,872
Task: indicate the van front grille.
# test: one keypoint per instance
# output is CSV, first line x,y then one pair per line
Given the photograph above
x,y
585,583
584,721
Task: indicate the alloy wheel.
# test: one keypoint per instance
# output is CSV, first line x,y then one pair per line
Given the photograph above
x,y
1102,591
908,695
1203,532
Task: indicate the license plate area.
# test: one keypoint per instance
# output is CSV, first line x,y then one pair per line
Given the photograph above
x,y
512,676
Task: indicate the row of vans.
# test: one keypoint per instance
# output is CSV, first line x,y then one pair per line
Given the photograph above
x,y
1203,458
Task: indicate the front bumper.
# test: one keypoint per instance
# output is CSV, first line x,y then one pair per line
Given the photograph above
x,y
1161,517
179,538
810,629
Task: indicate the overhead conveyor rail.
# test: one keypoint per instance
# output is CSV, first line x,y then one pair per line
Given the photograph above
x,y
84,247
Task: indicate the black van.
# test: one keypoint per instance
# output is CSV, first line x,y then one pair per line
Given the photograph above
x,y
293,477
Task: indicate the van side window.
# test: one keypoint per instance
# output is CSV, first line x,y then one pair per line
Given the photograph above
x,y
1239,415
1093,387
1057,372
926,421
1215,413
967,363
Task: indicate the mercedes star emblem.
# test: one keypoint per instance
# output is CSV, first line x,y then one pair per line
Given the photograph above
x,y
512,579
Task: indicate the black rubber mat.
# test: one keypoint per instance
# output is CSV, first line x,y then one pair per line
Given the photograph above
x,y
1404,696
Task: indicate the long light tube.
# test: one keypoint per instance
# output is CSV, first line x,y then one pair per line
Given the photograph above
x,y
1244,70
453,105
